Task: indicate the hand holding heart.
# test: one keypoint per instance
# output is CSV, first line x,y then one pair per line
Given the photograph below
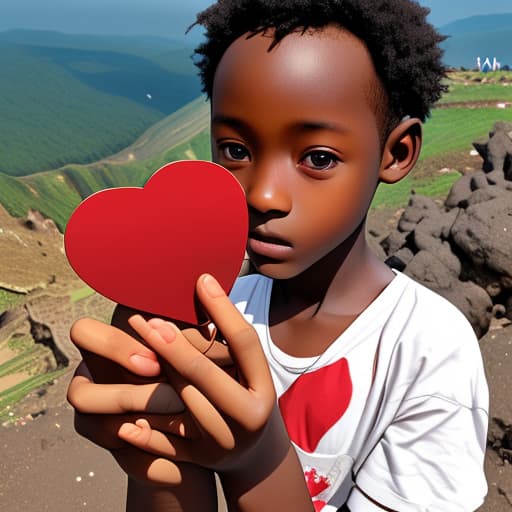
x,y
226,413
129,245
225,418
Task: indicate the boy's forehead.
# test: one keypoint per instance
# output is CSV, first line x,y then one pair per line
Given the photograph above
x,y
321,60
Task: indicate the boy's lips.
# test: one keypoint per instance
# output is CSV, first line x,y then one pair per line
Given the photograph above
x,y
269,245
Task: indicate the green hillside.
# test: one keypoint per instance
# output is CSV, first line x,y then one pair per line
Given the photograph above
x,y
465,114
180,126
180,136
63,105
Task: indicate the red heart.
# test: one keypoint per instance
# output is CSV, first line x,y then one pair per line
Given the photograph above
x,y
315,402
146,247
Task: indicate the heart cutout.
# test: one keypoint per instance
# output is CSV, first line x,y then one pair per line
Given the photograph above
x,y
315,402
146,247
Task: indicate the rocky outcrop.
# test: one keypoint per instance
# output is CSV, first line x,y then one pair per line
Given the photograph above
x,y
47,319
32,252
462,248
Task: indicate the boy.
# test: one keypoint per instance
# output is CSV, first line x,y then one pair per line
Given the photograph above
x,y
379,381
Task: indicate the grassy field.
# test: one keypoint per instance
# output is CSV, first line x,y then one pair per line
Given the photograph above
x,y
449,133
470,86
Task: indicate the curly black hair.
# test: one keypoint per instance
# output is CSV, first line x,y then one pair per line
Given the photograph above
x,y
403,45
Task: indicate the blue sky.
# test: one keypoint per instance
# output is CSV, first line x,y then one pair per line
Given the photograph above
x,y
170,17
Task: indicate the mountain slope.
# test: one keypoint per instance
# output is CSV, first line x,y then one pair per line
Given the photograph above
x,y
180,126
61,105
484,36
480,23
182,135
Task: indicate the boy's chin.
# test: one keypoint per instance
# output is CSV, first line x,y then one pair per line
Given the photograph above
x,y
275,269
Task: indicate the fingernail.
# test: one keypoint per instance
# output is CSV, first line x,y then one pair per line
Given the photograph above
x,y
145,365
212,287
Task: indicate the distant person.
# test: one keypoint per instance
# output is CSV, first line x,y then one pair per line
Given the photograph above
x,y
357,388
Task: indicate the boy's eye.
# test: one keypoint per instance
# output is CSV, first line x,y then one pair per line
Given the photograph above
x,y
233,151
320,160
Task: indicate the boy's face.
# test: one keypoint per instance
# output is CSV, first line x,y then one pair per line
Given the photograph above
x,y
297,127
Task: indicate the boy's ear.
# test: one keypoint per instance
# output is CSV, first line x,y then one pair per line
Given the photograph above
x,y
401,151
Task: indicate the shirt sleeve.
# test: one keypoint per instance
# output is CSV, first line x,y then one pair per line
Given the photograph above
x,y
430,453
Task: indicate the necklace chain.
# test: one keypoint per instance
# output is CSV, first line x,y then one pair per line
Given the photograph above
x,y
290,369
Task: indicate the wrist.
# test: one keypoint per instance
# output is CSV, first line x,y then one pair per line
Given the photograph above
x,y
269,475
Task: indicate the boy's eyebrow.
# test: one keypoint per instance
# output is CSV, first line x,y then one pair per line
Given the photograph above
x,y
300,125
231,121
321,125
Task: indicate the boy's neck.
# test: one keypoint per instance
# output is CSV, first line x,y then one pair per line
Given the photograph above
x,y
343,283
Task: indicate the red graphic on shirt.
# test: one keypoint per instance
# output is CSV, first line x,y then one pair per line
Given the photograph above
x,y
316,484
315,402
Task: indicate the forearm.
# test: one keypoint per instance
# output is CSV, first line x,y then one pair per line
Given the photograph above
x,y
197,493
271,479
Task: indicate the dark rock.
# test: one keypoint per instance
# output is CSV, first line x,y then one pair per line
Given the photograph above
x,y
484,232
35,221
499,147
430,226
459,193
499,310
478,181
400,259
448,219
394,241
487,194
493,289
508,307
419,207
431,272
470,298
496,178
497,150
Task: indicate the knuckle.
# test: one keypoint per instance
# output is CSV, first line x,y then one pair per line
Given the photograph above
x,y
246,334
195,367
126,399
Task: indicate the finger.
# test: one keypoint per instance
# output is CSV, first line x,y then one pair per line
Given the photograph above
x,y
157,398
102,429
206,417
241,337
181,425
140,435
115,345
248,407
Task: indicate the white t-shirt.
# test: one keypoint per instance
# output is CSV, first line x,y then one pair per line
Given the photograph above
x,y
397,404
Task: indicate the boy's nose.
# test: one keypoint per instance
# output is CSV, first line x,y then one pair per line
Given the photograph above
x,y
266,190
